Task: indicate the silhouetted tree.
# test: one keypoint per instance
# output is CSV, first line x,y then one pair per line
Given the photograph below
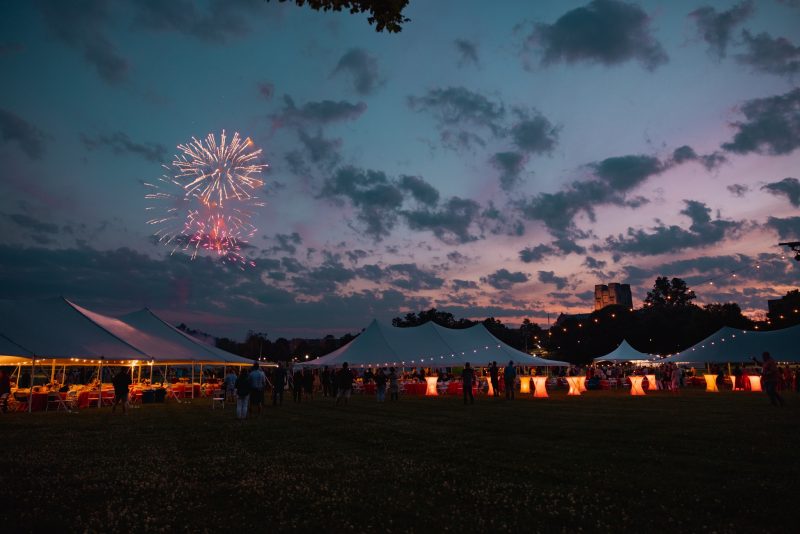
x,y
384,14
669,293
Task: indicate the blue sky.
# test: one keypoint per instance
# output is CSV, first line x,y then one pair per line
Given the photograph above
x,y
488,160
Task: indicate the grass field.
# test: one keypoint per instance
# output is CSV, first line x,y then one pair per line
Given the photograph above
x,y
601,462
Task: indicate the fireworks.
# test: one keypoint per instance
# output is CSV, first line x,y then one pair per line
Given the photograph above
x,y
204,201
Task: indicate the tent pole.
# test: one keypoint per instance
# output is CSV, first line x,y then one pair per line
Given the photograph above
x,y
201,378
192,385
151,373
30,393
53,371
100,385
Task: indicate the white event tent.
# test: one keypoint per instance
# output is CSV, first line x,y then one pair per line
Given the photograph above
x,y
428,345
624,353
731,345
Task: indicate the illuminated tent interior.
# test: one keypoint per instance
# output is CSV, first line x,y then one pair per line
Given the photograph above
x,y
428,345
741,346
624,353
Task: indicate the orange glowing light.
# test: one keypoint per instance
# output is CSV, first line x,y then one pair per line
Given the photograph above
x,y
582,383
755,382
540,386
431,389
490,392
636,385
733,382
651,383
574,385
711,383
524,384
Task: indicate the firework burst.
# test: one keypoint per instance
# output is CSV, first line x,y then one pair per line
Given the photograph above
x,y
205,199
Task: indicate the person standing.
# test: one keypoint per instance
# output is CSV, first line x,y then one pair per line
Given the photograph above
x,y
308,383
394,385
258,381
326,382
297,385
5,390
230,385
769,379
494,378
121,382
344,383
278,384
380,385
242,394
467,379
509,377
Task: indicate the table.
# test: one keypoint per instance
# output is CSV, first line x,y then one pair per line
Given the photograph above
x,y
574,385
582,383
711,383
636,385
540,386
733,383
431,389
524,384
490,392
652,385
414,388
755,382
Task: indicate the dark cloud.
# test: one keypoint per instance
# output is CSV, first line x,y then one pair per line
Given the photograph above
x,y
773,56
354,256
318,113
322,151
738,190
29,138
549,277
533,133
663,239
287,243
450,223
565,244
458,112
503,279
266,90
593,263
120,143
324,279
421,190
29,223
789,187
291,265
411,278
626,172
82,25
457,257
772,125
536,254
716,28
362,69
375,197
510,164
786,228
461,285
467,52
686,153
608,32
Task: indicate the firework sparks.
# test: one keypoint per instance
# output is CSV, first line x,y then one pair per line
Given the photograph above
x,y
205,199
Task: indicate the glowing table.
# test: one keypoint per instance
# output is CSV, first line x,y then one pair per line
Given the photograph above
x,y
711,383
540,386
574,385
582,383
651,383
733,382
755,382
431,390
524,384
636,385
490,391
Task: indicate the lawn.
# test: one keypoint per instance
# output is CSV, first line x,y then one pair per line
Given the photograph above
x,y
602,462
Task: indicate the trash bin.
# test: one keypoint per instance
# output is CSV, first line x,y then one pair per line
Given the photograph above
x,y
148,396
160,395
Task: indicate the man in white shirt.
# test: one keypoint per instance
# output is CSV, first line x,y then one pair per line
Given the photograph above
x,y
258,381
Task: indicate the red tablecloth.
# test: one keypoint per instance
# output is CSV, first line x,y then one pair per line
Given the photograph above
x,y
415,388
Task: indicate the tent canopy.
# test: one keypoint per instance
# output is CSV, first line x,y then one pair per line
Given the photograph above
x,y
428,345
741,346
624,353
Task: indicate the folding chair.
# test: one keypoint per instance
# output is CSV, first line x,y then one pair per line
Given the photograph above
x,y
218,398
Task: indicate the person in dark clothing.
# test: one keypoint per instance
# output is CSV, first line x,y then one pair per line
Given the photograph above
x,y
242,387
509,377
278,384
5,390
495,379
394,385
326,382
344,383
297,385
769,378
380,385
121,382
467,379
308,383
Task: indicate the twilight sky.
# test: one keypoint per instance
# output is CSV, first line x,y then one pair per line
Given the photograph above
x,y
492,159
